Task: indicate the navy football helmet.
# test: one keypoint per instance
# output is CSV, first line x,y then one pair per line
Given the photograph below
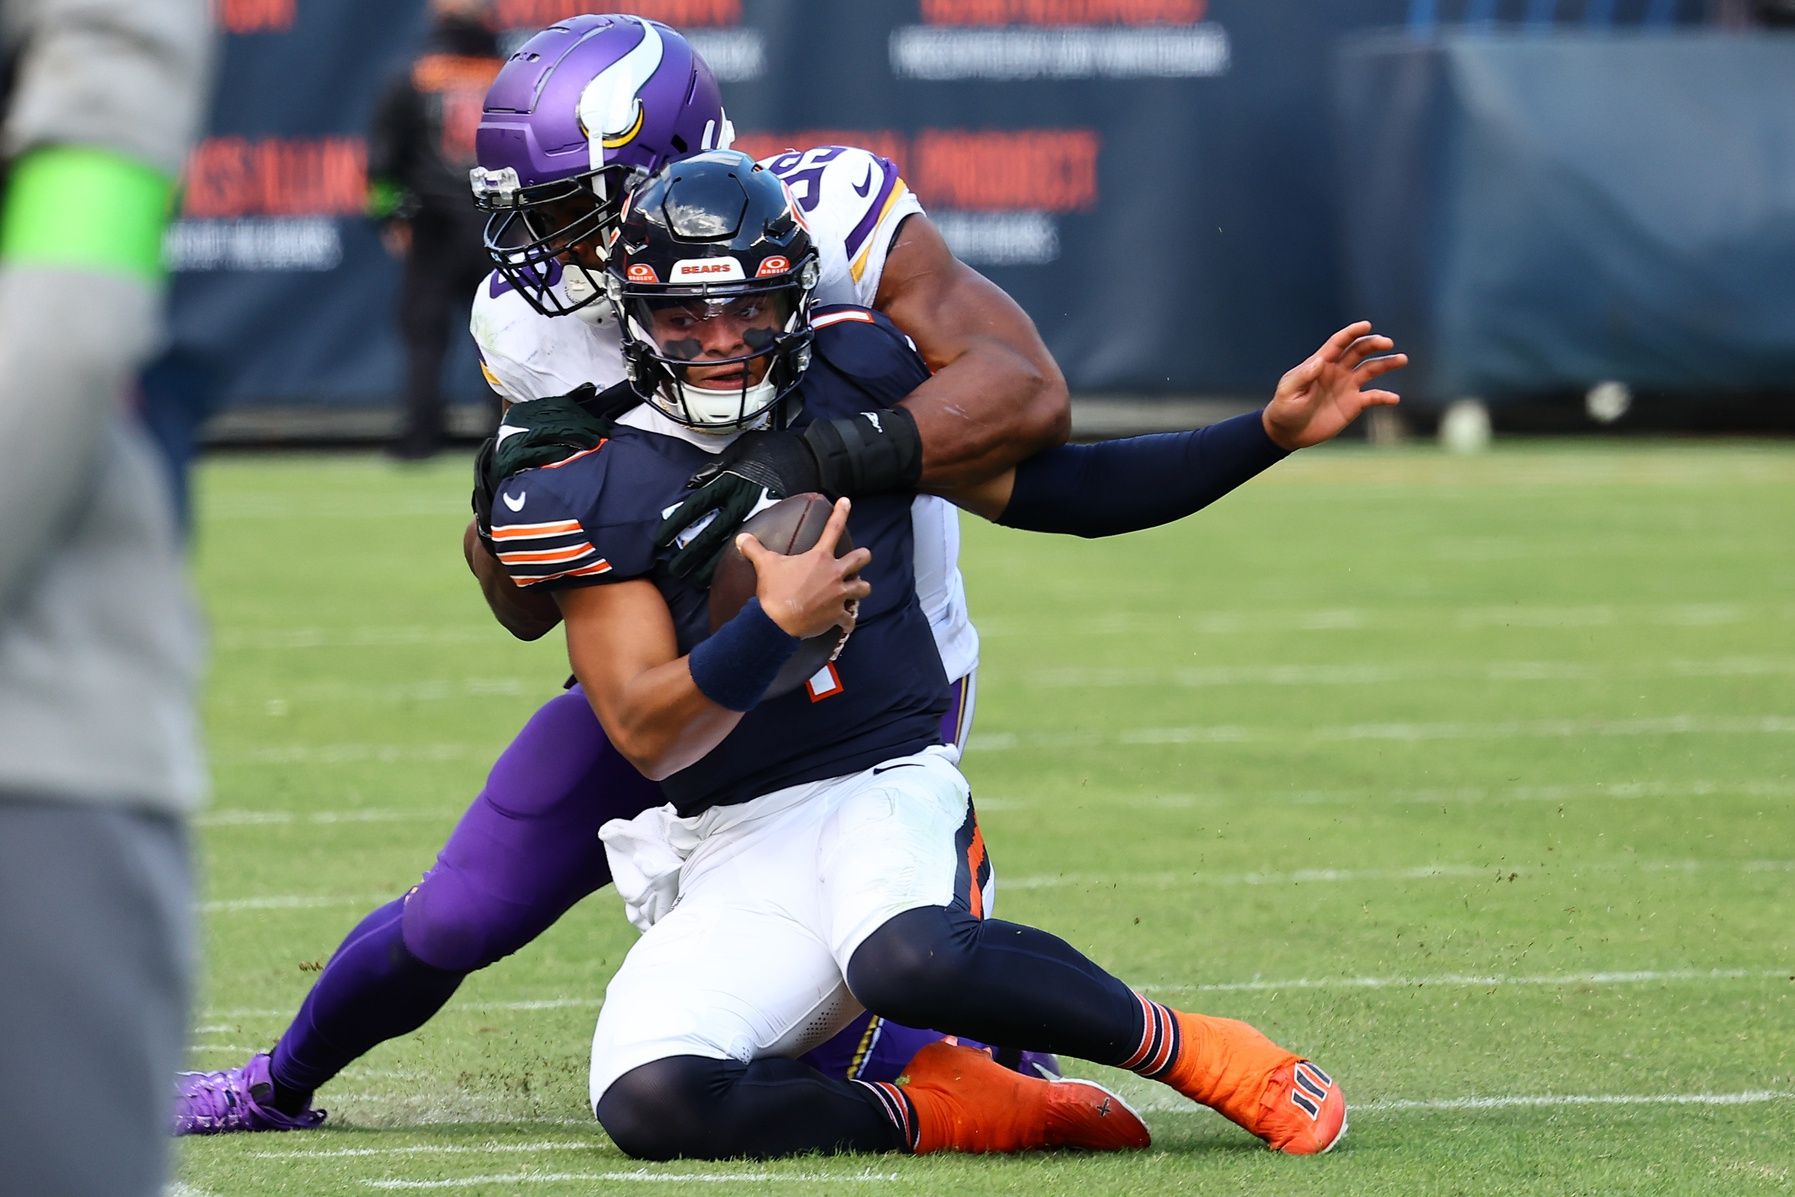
x,y
711,271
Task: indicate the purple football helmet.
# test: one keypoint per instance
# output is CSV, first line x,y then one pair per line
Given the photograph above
x,y
580,113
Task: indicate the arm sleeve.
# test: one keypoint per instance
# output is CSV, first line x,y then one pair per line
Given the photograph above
x,y
1111,487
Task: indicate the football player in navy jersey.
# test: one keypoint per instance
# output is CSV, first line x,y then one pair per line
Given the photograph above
x,y
820,853
522,854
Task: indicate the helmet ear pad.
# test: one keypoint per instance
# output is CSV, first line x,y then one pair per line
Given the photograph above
x,y
709,236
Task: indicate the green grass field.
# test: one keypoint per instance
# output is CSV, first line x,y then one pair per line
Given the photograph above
x,y
1474,778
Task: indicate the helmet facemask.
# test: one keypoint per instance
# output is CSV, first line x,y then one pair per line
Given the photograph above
x,y
549,242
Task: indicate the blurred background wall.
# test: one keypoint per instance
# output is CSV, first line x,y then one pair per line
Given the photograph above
x,y
1533,196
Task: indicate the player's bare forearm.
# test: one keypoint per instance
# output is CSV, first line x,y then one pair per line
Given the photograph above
x,y
997,396
621,644
526,616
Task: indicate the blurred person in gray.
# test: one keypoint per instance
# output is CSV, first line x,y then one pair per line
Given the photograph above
x,y
420,148
99,641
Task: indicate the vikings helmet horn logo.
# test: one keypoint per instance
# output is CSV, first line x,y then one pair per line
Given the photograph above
x,y
609,104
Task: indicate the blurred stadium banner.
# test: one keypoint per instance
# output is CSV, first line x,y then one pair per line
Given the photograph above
x,y
1539,215
1154,180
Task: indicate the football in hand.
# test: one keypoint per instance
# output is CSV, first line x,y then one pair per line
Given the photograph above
x,y
788,527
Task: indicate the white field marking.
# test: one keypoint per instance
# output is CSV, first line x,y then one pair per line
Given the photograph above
x,y
282,639
1407,1105
1617,790
1470,980
177,1189
1224,623
232,1048
1427,872
1550,729
353,753
1220,623
290,902
423,690
1366,674
523,1006
1162,880
314,510
489,1147
349,753
236,817
638,1176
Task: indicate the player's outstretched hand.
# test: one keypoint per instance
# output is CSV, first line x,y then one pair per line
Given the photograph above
x,y
755,467
808,593
1319,398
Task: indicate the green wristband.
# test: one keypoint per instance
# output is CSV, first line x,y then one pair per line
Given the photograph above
x,y
88,208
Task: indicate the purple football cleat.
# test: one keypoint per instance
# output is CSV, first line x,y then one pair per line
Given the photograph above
x,y
237,1099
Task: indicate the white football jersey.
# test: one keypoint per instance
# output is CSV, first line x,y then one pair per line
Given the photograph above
x,y
853,202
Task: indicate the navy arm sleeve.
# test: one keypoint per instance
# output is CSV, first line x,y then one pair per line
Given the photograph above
x,y
1111,487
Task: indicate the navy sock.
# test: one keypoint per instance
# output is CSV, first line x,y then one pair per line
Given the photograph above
x,y
995,981
695,1107
372,990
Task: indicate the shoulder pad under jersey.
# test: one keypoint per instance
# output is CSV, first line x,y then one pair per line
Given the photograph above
x,y
551,526
526,355
854,200
869,351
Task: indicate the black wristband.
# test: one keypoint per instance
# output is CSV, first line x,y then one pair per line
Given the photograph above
x,y
868,453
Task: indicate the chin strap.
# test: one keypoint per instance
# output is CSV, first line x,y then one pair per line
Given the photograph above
x,y
868,453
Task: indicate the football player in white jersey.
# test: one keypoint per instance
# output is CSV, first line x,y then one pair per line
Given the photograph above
x,y
584,110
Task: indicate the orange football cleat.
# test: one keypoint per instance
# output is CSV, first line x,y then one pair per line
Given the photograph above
x,y
966,1101
1229,1066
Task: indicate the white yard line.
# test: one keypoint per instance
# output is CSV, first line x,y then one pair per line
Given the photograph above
x,y
359,753
1227,623
1550,729
640,1176
1499,869
291,902
240,817
1223,622
237,817
343,1153
1426,872
1484,980
1196,677
363,753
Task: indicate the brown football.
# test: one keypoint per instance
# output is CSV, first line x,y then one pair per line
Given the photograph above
x,y
789,526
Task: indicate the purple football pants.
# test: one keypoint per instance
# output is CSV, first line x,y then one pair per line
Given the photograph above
x,y
524,853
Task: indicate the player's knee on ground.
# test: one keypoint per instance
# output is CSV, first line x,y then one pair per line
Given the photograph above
x,y
452,929
913,967
666,1110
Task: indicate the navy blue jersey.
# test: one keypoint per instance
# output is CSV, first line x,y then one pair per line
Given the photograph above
x,y
591,520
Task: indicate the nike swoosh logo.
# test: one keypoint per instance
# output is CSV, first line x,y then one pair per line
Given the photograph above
x,y
515,502
865,188
506,430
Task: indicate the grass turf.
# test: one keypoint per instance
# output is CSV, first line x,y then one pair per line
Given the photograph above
x,y
1471,777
